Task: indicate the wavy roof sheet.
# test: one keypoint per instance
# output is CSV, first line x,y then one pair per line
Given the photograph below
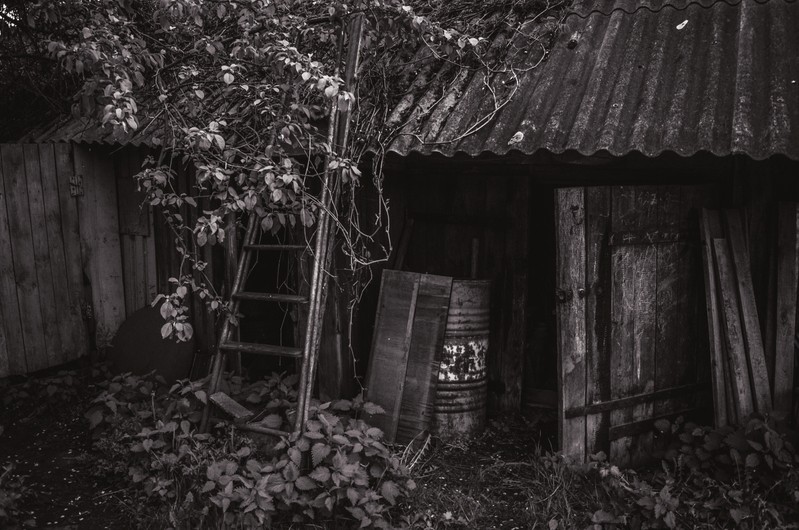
x,y
624,75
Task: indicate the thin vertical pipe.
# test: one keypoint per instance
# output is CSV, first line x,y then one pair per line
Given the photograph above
x,y
353,56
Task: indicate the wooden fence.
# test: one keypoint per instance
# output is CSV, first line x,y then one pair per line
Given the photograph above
x,y
41,278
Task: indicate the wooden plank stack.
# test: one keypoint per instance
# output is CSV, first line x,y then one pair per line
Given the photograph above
x,y
742,380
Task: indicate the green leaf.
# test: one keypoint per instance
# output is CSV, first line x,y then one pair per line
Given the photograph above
x,y
305,484
390,491
320,474
318,453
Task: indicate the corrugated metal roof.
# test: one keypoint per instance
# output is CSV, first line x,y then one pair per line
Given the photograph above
x,y
85,130
635,77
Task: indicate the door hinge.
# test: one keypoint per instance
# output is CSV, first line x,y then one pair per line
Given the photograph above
x,y
76,185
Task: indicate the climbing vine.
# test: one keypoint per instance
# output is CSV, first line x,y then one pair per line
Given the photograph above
x,y
243,92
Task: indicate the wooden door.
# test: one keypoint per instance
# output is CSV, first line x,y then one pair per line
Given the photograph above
x,y
628,300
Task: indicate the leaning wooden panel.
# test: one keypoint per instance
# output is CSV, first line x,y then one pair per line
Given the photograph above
x,y
570,311
41,256
424,357
633,310
597,314
710,229
55,242
786,307
13,350
23,256
385,378
761,389
732,332
70,230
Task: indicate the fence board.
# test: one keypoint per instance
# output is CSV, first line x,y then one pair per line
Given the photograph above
x,y
12,345
23,256
70,230
41,257
55,242
570,259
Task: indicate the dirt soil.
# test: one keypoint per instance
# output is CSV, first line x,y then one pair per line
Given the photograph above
x,y
49,446
485,483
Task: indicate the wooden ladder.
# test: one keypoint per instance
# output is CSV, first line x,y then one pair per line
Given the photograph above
x,y
306,352
338,132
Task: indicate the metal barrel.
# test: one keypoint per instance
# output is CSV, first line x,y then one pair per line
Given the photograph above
x,y
459,409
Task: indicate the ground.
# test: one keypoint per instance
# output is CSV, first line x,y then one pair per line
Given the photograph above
x,y
477,484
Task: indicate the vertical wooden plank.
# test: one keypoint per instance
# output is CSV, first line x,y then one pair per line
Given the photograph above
x,y
634,313
570,260
733,333
55,241
23,256
41,257
786,307
385,377
100,241
424,357
597,314
70,231
710,230
128,272
514,300
150,261
749,321
12,345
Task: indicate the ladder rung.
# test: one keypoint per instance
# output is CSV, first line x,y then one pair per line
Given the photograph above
x,y
230,406
261,349
278,248
271,297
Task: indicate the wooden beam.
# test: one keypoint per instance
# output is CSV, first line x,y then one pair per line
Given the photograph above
x,y
630,401
761,389
786,307
710,230
571,338
732,332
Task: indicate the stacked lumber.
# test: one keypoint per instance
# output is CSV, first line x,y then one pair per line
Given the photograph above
x,y
740,377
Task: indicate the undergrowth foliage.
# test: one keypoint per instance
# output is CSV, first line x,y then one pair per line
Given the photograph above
x,y
339,471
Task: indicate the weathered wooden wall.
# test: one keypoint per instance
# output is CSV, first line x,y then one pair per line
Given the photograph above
x,y
79,253
41,280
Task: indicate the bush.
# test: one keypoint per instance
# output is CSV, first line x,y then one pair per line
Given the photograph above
x,y
745,477
338,471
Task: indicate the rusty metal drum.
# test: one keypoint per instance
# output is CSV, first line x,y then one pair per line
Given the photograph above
x,y
460,405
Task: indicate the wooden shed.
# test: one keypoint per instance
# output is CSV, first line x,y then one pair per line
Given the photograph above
x,y
582,179
79,253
